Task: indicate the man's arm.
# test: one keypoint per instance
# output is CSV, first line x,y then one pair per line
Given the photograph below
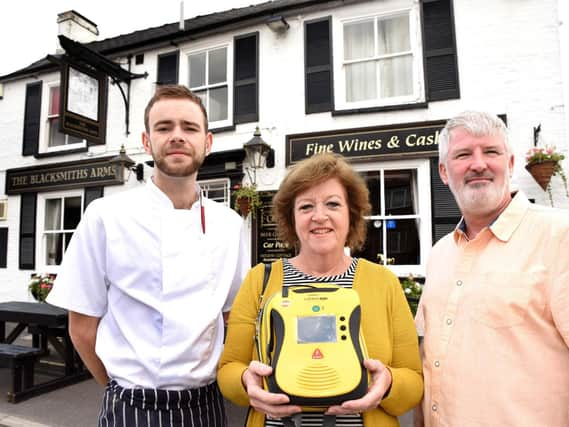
x,y
83,332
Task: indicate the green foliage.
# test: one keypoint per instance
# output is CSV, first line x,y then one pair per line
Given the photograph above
x,y
40,285
543,154
247,192
413,291
548,153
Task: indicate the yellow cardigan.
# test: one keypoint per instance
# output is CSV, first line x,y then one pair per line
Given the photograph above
x,y
387,326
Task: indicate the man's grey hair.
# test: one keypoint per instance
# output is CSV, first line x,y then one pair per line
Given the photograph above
x,y
475,123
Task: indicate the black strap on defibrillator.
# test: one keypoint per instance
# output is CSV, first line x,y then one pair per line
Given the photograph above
x,y
296,421
329,421
265,279
290,421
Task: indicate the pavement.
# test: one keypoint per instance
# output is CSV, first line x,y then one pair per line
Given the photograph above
x,y
72,406
78,405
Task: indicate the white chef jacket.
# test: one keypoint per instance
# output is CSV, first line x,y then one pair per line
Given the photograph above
x,y
158,283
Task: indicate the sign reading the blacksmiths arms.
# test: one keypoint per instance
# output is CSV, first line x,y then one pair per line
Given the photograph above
x,y
368,143
266,245
63,176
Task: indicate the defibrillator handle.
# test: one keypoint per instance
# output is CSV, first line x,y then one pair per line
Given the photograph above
x,y
304,289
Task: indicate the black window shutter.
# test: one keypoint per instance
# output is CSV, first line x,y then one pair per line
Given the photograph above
x,y
246,79
318,77
32,119
445,211
3,247
168,68
92,193
28,231
441,66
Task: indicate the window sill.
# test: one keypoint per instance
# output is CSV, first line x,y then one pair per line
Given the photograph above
x,y
60,153
222,129
397,107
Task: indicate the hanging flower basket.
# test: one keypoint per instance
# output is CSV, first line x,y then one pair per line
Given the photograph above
x,y
543,163
40,285
244,206
247,200
542,172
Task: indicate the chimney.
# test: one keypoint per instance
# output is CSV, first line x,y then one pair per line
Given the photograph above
x,y
181,27
76,27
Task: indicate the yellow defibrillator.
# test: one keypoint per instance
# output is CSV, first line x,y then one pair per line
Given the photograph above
x,y
310,335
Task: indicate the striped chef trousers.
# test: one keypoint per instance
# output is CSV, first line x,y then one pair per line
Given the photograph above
x,y
144,407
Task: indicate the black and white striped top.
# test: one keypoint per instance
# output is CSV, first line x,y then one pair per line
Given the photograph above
x,y
292,276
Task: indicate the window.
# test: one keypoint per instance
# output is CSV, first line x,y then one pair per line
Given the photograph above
x,y
60,219
208,78
379,63
399,225
216,189
401,52
56,139
224,73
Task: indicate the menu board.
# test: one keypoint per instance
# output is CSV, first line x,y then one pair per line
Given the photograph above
x,y
266,246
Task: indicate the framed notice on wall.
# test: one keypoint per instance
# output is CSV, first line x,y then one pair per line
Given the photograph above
x,y
83,104
266,247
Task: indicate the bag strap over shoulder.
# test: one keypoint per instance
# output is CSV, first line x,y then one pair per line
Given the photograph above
x,y
266,277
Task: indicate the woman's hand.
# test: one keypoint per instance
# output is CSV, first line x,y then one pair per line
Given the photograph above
x,y
274,405
380,382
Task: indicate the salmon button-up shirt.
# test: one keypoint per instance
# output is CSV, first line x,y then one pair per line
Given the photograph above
x,y
495,320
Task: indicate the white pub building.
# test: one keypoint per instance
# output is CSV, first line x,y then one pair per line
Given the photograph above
x,y
372,80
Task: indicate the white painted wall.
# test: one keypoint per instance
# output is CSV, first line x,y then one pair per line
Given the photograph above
x,y
509,63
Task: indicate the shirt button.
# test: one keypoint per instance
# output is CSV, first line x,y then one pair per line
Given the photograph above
x,y
449,322
434,408
437,363
459,283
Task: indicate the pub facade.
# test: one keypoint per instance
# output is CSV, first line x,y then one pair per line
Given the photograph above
x,y
374,81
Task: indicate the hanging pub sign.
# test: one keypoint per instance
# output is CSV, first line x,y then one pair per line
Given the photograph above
x,y
266,246
368,143
83,102
63,176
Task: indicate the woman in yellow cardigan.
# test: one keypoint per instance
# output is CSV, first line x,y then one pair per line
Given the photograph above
x,y
320,209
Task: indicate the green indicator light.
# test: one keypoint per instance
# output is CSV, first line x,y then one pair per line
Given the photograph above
x,y
315,308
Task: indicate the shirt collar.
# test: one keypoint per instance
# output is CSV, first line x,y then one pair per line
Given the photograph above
x,y
504,226
163,199
158,194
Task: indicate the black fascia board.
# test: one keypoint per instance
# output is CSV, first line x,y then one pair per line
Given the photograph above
x,y
84,54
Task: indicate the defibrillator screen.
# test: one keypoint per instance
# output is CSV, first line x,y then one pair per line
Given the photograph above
x,y
316,329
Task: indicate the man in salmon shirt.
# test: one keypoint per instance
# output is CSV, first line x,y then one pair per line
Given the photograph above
x,y
495,308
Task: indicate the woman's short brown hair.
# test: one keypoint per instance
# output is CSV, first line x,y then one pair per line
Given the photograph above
x,y
313,171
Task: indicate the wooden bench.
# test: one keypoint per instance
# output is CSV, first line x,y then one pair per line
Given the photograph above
x,y
20,360
39,335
